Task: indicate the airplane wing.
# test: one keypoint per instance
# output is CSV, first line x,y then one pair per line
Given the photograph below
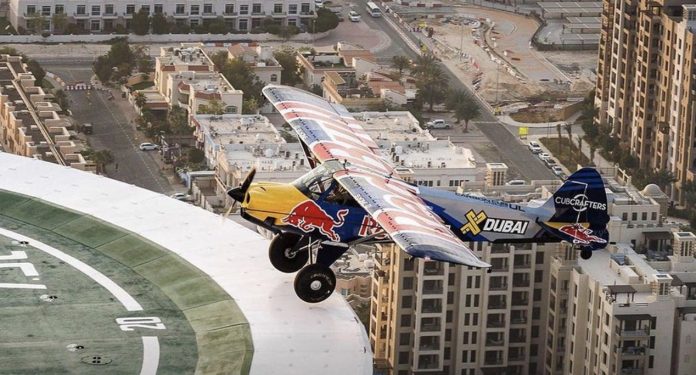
x,y
396,207
330,132
327,130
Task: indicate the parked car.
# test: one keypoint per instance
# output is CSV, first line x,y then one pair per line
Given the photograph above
x,y
148,146
534,147
354,16
180,196
437,124
550,162
557,170
543,156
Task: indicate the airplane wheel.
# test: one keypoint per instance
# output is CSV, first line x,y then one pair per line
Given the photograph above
x,y
315,283
585,254
281,256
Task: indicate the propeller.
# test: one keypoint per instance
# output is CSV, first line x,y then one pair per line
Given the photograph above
x,y
239,193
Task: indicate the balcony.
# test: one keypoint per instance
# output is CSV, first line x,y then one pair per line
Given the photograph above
x,y
433,269
523,265
432,308
80,15
229,14
638,333
518,320
495,342
258,14
518,338
520,302
433,290
632,351
496,305
498,287
493,361
181,15
495,324
499,268
514,357
431,327
631,371
209,14
110,15
522,283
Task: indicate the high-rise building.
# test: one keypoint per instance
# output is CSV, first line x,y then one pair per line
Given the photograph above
x,y
541,310
646,82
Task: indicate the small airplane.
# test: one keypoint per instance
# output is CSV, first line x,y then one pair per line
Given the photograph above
x,y
354,195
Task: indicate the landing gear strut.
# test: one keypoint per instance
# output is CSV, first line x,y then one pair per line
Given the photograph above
x,y
288,252
585,254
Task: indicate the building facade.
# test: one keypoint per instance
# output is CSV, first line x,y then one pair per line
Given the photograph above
x,y
646,83
105,15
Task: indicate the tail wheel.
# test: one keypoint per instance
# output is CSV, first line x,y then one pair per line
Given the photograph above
x,y
282,254
585,254
315,283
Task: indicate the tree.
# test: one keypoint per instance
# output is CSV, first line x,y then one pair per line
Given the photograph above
x,y
101,158
35,23
579,148
60,22
291,70
239,74
569,130
140,100
558,130
326,20
196,156
430,80
37,71
141,22
464,107
177,118
62,100
102,69
120,52
593,149
214,107
250,106
317,90
400,63
218,26
160,25
287,32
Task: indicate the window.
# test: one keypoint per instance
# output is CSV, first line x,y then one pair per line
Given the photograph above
x,y
243,9
404,338
180,9
624,216
408,283
403,358
130,9
465,339
195,9
538,276
31,9
405,320
406,302
81,9
243,24
109,9
537,295
158,9
207,8
229,8
304,8
46,10
194,23
94,25
539,258
255,8
278,8
634,216
59,9
96,10
292,9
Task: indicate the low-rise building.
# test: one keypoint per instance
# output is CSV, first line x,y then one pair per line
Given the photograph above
x,y
29,121
105,15
260,59
342,58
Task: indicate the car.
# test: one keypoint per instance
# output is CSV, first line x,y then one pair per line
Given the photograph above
x,y
354,16
543,156
534,147
437,124
557,170
516,182
147,146
550,162
180,196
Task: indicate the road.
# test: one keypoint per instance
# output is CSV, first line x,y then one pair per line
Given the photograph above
x,y
112,129
510,150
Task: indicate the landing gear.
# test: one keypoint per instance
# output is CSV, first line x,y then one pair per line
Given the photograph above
x,y
585,254
287,253
315,283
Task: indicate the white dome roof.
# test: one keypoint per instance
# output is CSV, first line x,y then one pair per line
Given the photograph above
x,y
652,190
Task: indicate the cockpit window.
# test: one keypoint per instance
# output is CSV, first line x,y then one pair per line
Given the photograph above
x,y
315,182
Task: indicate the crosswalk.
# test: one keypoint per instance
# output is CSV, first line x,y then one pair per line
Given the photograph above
x,y
78,87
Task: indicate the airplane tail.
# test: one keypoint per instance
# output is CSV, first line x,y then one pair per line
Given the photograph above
x,y
580,211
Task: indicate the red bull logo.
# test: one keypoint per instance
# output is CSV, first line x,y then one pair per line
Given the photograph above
x,y
308,216
580,234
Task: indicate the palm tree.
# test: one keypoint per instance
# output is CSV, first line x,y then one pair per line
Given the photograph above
x,y
593,149
101,158
401,63
140,100
431,81
558,129
464,107
580,149
569,130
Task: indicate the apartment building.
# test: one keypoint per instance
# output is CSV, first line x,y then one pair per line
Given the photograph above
x,y
541,310
104,15
186,77
29,121
646,82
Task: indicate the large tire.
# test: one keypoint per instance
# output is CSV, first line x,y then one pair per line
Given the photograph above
x,y
586,254
279,252
315,283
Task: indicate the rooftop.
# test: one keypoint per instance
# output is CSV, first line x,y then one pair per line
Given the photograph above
x,y
184,56
392,126
237,129
428,154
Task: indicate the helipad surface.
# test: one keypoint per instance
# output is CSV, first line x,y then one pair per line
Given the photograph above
x,y
97,276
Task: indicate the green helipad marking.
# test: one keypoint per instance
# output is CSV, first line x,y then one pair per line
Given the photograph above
x,y
202,321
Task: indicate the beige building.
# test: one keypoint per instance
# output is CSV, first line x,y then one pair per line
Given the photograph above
x,y
646,82
541,310
29,121
186,77
260,59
